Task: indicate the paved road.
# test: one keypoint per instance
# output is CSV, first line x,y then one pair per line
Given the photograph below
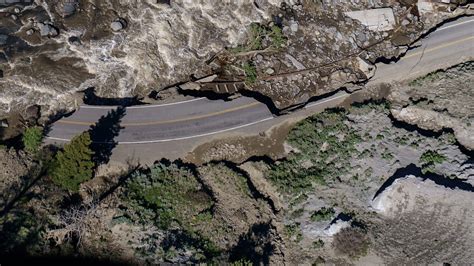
x,y
201,117
444,47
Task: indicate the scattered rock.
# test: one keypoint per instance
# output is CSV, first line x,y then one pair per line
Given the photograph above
x,y
3,39
118,25
294,26
69,8
47,30
270,71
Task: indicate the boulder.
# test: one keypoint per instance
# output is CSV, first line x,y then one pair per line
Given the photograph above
x,y
47,30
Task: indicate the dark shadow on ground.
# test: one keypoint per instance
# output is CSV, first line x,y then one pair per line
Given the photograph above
x,y
255,246
21,259
103,135
182,240
412,169
90,98
114,186
54,118
20,191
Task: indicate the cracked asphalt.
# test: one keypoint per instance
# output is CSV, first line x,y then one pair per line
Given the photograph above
x,y
171,130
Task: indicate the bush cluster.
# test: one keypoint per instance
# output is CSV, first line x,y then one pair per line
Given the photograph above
x,y
171,198
352,242
325,144
322,214
261,37
32,138
430,159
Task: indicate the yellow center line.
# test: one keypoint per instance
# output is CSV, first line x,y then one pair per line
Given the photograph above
x,y
438,47
250,104
197,117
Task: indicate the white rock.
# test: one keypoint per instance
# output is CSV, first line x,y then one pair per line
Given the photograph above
x,y
270,71
116,26
294,27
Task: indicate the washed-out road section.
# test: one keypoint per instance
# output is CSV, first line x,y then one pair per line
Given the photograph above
x,y
171,130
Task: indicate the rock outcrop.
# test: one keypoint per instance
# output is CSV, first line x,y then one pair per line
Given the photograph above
x,y
424,223
52,49
440,101
434,121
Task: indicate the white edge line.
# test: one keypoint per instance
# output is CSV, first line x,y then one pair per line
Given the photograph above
x,y
210,133
326,100
141,106
198,99
454,25
183,138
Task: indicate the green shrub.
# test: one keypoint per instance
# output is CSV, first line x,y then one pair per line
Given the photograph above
x,y
32,138
21,231
250,72
166,195
255,39
322,214
74,164
387,155
432,157
293,231
362,108
326,142
448,138
352,242
318,244
277,37
429,159
242,262
258,34
171,198
433,76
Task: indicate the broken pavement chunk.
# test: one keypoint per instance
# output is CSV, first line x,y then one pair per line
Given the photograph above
x,y
379,19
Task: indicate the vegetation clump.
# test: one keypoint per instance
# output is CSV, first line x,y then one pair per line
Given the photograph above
x,y
382,106
32,138
318,244
325,144
322,214
278,40
250,72
430,159
74,164
352,242
166,195
261,37
171,198
293,232
431,77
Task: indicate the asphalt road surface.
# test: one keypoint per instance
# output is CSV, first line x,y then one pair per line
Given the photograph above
x,y
201,117
441,48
